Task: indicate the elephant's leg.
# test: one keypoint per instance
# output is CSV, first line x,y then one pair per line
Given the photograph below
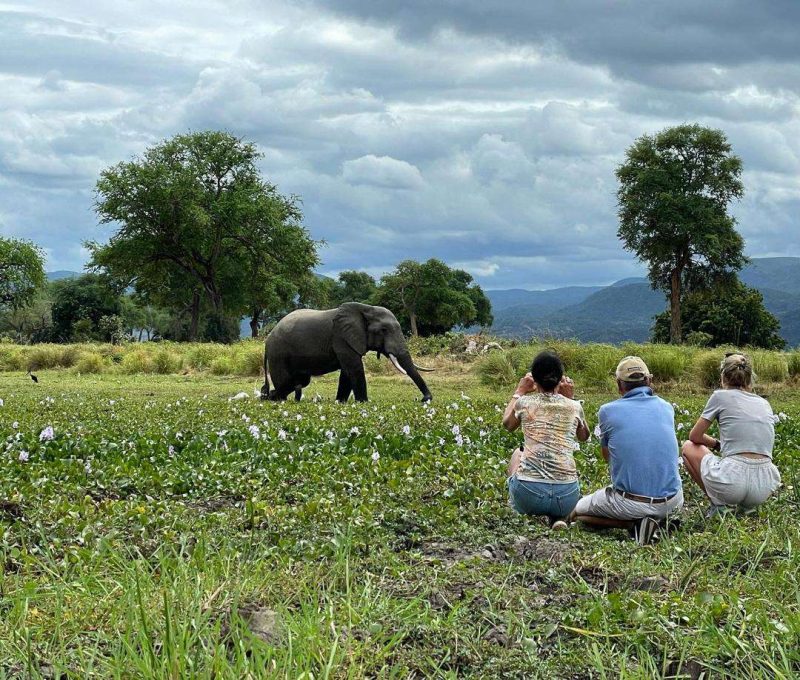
x,y
298,388
345,387
355,373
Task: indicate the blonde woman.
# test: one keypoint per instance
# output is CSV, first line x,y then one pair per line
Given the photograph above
x,y
744,475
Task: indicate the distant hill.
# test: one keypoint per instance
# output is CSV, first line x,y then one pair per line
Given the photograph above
x,y
62,274
625,309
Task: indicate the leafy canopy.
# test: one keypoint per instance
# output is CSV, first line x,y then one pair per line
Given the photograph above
x,y
196,220
728,313
674,192
21,272
431,298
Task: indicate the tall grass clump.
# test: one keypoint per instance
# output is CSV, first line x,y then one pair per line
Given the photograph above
x,y
248,358
222,365
793,364
666,362
497,370
137,361
598,363
705,367
12,358
45,356
769,366
165,362
201,355
90,362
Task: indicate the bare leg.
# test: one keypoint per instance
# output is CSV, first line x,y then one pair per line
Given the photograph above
x,y
693,455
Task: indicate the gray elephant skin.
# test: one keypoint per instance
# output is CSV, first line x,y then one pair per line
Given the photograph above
x,y
308,342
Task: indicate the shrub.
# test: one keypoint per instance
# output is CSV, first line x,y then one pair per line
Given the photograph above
x,y
137,361
375,366
497,370
769,366
90,362
165,362
12,358
44,356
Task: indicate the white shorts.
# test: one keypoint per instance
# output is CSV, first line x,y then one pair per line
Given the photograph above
x,y
738,480
608,503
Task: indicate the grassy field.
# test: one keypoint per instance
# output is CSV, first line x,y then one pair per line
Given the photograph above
x,y
169,531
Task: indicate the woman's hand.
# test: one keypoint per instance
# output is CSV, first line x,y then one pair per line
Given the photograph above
x,y
526,385
566,387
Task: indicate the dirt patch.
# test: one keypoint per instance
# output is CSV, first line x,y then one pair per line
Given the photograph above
x,y
684,670
261,622
10,510
450,554
650,584
547,549
497,635
600,579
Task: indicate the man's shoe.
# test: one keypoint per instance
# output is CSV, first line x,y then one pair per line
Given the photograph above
x,y
645,530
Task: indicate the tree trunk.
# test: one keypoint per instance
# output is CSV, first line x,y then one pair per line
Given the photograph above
x,y
194,324
675,308
413,319
254,323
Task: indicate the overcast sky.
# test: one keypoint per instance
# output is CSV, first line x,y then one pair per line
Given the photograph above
x,y
482,133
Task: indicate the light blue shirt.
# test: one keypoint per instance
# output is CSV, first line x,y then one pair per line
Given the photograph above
x,y
639,431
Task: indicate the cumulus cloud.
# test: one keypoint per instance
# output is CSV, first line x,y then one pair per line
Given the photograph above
x,y
485,135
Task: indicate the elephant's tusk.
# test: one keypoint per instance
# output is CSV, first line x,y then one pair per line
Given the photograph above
x,y
397,365
427,370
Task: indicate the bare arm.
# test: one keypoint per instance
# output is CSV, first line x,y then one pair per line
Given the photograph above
x,y
698,434
604,453
510,419
582,433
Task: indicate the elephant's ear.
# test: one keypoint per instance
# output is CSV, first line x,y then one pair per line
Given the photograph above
x,y
350,328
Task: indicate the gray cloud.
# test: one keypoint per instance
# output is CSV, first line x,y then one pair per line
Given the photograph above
x,y
485,135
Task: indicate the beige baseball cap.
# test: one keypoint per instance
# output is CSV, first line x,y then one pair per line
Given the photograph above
x,y
632,369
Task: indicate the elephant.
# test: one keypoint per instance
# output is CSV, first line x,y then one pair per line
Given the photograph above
x,y
309,342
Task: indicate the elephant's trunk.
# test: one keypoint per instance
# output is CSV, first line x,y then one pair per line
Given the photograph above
x,y
405,365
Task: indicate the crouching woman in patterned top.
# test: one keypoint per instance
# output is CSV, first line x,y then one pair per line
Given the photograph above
x,y
542,479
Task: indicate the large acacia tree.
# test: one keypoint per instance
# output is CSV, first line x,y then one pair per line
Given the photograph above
x,y
199,225
674,191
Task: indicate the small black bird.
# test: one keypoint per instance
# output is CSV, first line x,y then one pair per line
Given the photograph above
x,y
33,377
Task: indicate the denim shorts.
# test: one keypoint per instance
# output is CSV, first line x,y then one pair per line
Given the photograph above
x,y
542,498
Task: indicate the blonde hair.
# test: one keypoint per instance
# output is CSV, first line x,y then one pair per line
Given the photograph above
x,y
737,371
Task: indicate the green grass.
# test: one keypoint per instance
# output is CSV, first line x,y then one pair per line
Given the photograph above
x,y
131,541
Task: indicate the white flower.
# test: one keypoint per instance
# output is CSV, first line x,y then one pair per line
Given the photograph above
x,y
597,431
87,467
375,456
179,435
441,441
23,456
298,417
281,434
680,426
2,403
254,431
354,430
221,433
171,450
378,437
781,415
459,440
46,434
15,424
456,430
406,430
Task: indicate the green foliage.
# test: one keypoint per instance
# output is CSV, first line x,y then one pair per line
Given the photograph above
x,y
705,366
675,188
695,338
431,298
137,361
248,358
497,369
202,232
769,366
21,273
729,313
166,362
90,362
793,364
136,541
78,306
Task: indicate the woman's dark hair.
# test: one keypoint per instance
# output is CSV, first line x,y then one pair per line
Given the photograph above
x,y
547,370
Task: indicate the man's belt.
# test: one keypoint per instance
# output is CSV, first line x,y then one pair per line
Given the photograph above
x,y
643,499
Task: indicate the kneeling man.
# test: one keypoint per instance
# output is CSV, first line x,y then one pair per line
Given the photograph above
x,y
637,435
